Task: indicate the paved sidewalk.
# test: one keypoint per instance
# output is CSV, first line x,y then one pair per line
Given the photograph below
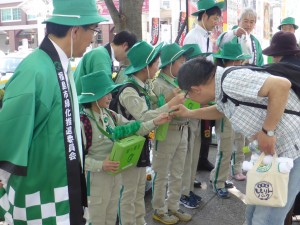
x,y
213,210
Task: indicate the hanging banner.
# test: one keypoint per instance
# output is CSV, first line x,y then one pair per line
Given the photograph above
x,y
181,28
155,31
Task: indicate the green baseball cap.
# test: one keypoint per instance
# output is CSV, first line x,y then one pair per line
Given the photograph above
x,y
75,13
203,5
171,52
288,20
197,51
141,55
232,51
95,86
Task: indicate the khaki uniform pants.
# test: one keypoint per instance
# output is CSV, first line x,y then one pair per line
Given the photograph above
x,y
103,199
192,157
168,165
132,205
230,145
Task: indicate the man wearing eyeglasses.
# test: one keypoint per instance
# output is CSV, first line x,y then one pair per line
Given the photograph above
x,y
208,16
102,57
41,154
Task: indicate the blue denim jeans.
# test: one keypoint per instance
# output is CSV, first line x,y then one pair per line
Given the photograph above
x,y
262,215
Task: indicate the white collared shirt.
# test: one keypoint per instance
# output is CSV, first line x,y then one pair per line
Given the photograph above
x,y
199,36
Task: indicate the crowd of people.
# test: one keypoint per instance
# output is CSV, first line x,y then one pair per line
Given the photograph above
x,y
56,166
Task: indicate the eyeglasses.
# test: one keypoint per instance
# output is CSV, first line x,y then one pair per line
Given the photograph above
x,y
186,94
96,32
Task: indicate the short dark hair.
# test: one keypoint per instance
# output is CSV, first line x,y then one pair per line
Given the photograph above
x,y
154,60
210,12
125,36
87,105
57,30
60,30
221,62
195,72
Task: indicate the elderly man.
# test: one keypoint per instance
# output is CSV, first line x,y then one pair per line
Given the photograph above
x,y
41,161
242,35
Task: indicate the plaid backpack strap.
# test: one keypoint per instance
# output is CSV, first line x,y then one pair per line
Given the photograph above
x,y
87,131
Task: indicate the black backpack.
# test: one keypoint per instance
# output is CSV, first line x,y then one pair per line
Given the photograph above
x,y
115,103
287,70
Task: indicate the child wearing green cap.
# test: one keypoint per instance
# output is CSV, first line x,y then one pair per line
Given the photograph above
x,y
144,61
104,188
188,198
230,143
169,155
208,16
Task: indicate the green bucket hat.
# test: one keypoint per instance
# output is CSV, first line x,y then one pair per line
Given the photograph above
x,y
197,51
95,86
171,52
75,13
288,20
232,51
141,55
203,5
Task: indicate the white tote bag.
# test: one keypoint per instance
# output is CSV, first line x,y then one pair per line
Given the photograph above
x,y
266,186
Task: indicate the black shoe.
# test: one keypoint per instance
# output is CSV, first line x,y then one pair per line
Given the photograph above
x,y
197,183
228,184
204,164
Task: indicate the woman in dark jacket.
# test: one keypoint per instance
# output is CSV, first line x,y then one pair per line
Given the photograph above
x,y
284,48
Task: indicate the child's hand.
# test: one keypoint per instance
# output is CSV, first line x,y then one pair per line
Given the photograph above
x,y
178,99
179,111
162,118
110,166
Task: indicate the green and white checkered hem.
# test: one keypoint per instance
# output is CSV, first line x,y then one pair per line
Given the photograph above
x,y
47,209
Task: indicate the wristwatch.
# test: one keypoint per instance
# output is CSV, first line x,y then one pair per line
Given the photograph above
x,y
270,133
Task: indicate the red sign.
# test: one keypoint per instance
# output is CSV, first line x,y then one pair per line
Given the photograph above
x,y
154,31
103,10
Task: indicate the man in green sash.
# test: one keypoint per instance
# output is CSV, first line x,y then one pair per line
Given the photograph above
x,y
41,155
169,155
242,35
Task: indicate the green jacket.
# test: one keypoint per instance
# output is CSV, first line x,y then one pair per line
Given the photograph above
x,y
32,145
95,60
